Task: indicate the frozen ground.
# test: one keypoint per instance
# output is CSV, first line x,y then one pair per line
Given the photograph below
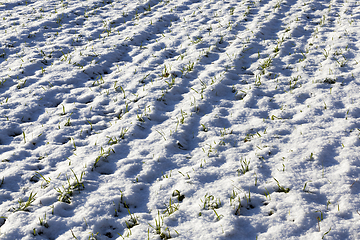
x,y
186,119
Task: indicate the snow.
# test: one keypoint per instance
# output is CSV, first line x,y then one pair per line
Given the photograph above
x,y
183,119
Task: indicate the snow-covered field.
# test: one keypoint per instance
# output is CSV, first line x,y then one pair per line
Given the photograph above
x,y
184,119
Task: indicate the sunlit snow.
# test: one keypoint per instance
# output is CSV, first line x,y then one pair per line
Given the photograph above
x,y
183,119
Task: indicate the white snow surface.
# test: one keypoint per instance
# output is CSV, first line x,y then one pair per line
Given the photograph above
x,y
186,119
